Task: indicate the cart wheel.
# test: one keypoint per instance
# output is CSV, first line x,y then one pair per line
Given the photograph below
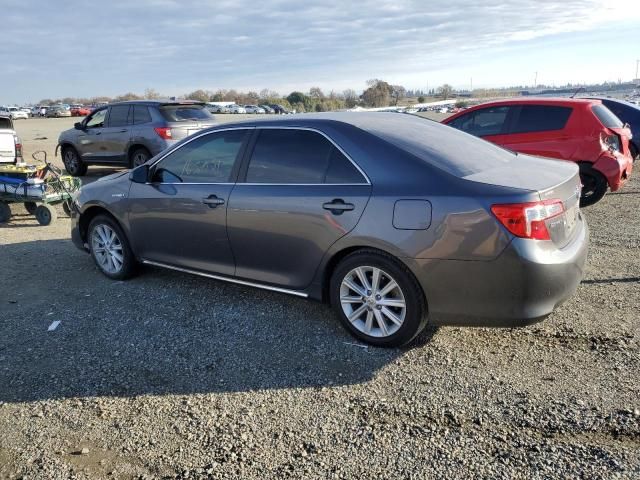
x,y
31,207
45,214
67,208
5,212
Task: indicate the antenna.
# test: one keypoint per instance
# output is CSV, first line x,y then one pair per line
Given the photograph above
x,y
576,92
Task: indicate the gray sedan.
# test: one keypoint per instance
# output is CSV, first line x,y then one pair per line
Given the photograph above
x,y
396,220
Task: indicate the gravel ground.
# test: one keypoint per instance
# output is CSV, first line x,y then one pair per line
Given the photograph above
x,y
174,376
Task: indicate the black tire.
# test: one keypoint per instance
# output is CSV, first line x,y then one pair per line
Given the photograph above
x,y
138,156
5,212
30,207
129,263
73,164
415,318
594,186
66,206
45,214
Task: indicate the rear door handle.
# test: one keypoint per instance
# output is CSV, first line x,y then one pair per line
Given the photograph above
x,y
213,201
338,206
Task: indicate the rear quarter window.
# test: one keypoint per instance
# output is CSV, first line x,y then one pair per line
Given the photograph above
x,y
184,113
606,117
540,118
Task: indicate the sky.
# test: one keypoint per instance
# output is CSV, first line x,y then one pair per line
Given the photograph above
x,y
54,49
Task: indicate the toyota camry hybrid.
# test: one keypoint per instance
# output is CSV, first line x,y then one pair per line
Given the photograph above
x,y
395,220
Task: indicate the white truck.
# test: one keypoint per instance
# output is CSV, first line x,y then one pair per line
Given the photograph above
x,y
10,143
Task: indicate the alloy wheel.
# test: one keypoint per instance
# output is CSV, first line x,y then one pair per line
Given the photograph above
x,y
373,301
107,249
70,159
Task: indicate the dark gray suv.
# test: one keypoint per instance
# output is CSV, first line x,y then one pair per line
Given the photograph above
x,y
394,219
129,133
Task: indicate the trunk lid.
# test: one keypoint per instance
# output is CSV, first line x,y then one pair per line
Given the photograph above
x,y
552,180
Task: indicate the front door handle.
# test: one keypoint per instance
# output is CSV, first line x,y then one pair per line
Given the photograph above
x,y
338,206
213,201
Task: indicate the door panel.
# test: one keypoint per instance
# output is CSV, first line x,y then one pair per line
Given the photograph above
x,y
279,233
171,223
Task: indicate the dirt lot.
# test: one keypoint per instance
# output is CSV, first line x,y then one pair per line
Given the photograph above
x,y
169,375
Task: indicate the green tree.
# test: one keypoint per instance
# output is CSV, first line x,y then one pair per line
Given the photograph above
x,y
296,97
378,94
420,99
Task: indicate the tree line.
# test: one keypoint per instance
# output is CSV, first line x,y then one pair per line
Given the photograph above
x,y
378,93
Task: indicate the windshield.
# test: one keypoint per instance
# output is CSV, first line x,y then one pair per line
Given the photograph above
x,y
182,113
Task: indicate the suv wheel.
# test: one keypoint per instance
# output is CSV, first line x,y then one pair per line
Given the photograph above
x,y
72,162
378,299
594,186
138,157
110,248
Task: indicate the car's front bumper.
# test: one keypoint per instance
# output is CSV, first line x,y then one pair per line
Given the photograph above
x,y
522,286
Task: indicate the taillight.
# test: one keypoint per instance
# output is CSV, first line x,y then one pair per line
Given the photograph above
x,y
527,220
164,132
18,144
611,142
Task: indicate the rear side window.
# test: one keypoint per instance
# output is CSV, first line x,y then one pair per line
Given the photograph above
x,y
483,122
539,118
118,115
605,116
291,156
207,159
183,113
141,114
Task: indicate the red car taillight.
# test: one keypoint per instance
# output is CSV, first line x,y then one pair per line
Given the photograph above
x,y
18,144
527,220
164,132
612,142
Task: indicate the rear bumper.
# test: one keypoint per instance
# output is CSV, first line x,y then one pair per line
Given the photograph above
x,y
616,168
522,286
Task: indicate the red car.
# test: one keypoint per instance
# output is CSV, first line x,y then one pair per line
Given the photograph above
x,y
80,111
578,130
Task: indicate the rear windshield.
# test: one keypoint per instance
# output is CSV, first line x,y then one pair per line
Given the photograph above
x,y
605,116
6,123
183,113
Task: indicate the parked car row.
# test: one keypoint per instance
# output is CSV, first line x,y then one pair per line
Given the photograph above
x,y
257,109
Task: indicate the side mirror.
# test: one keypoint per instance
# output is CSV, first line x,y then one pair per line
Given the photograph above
x,y
78,126
140,174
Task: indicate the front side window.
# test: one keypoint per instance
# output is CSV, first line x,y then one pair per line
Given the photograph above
x,y
290,156
483,122
540,118
96,120
207,159
118,116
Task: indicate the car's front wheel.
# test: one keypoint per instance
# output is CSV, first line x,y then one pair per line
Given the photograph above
x,y
110,248
378,299
73,164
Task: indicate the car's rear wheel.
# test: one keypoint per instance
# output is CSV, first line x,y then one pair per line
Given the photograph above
x,y
594,186
110,248
378,299
73,164
138,157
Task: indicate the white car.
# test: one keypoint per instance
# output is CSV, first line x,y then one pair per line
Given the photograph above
x,y
253,109
218,108
14,112
236,109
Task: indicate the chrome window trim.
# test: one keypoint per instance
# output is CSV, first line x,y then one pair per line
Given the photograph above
x,y
297,293
315,130
186,143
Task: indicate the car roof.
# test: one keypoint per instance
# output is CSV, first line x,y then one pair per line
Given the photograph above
x,y
616,100
541,101
156,102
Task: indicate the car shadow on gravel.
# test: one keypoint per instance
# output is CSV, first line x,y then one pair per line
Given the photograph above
x,y
161,333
